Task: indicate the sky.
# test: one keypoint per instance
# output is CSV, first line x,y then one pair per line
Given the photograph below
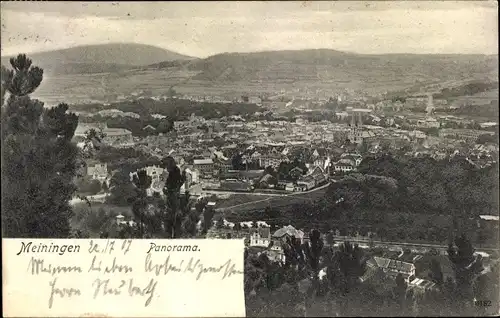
x,y
205,28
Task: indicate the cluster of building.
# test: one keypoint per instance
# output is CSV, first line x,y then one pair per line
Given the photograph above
x,y
467,135
381,271
206,149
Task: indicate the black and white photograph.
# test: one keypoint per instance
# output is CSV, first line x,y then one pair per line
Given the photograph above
x,y
352,145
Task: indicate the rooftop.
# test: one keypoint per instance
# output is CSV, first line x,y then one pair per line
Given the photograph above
x,y
116,131
393,265
203,161
489,217
290,231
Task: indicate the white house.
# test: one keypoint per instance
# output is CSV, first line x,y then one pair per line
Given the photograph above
x,y
289,187
344,165
98,172
354,156
260,237
192,176
154,172
392,266
422,284
120,220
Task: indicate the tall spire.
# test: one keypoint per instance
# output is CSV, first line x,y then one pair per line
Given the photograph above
x,y
430,105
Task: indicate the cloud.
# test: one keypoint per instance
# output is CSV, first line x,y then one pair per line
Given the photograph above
x,y
202,29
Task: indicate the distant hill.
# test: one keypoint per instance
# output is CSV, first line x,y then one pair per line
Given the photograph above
x,y
331,65
132,68
100,58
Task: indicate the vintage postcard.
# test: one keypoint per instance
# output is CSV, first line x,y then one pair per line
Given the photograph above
x,y
250,158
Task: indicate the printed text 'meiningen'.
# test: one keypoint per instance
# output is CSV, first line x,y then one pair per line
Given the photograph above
x,y
45,248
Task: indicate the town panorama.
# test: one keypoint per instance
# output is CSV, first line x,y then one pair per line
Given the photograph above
x,y
362,183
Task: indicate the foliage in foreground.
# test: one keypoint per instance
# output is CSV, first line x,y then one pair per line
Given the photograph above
x,y
39,161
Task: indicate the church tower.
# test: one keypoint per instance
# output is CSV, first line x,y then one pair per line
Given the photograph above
x,y
356,128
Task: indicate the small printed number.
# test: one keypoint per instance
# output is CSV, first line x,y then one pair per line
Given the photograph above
x,y
482,303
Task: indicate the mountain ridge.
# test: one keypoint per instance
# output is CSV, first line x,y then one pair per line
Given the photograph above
x,y
306,63
100,58
313,72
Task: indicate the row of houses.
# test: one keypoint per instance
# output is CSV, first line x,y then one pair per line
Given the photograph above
x,y
469,135
209,167
236,180
249,179
378,268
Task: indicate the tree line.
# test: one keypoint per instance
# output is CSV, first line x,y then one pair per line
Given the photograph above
x,y
466,90
137,126
427,186
176,109
400,199
319,280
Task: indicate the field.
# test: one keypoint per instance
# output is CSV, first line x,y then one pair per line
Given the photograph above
x,y
244,203
240,200
85,87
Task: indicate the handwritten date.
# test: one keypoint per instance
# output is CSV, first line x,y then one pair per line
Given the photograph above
x,y
109,247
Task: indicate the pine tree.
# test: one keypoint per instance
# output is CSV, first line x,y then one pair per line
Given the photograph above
x,y
104,187
208,214
436,274
352,264
400,291
220,222
174,213
313,251
39,161
142,182
191,216
466,266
